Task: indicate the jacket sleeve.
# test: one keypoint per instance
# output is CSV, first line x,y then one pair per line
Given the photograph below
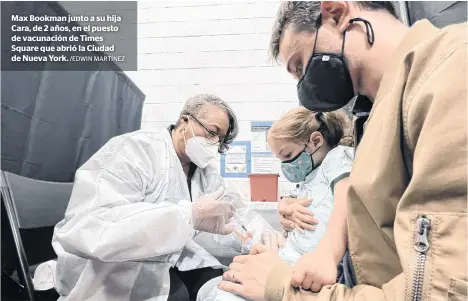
x,y
279,289
436,132
109,217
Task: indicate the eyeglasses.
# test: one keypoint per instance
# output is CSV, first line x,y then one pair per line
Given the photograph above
x,y
212,136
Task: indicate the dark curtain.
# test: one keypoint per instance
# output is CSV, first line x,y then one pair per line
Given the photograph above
x,y
53,121
440,13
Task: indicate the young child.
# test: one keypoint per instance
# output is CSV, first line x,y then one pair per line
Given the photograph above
x,y
308,144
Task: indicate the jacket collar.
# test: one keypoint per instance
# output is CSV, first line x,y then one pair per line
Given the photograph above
x,y
418,33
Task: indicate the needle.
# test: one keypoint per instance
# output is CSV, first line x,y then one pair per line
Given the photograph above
x,y
240,223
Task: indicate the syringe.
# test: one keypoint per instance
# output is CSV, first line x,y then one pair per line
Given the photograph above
x,y
239,222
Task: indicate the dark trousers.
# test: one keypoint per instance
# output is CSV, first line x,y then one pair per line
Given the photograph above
x,y
185,285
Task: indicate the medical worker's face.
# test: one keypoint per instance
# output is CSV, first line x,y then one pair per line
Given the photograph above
x,y
212,124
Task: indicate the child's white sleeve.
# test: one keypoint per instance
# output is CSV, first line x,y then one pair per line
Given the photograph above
x,y
337,165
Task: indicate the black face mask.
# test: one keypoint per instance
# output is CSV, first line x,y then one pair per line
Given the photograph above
x,y
326,84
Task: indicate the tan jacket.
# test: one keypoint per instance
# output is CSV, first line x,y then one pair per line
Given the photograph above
x,y
409,181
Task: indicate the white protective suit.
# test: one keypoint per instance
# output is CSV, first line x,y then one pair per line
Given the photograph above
x,y
129,221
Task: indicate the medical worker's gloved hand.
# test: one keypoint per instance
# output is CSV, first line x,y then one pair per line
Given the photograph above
x,y
209,214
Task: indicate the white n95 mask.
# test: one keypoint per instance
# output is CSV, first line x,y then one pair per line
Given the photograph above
x,y
200,150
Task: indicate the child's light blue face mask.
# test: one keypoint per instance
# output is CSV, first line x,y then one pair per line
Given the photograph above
x,y
298,168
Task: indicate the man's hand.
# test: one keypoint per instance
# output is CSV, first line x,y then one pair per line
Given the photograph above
x,y
247,275
316,269
294,214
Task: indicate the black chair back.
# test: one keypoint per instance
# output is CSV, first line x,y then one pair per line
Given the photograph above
x,y
30,210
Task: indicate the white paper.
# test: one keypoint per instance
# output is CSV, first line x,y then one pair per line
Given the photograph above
x,y
259,142
262,163
236,159
237,149
235,168
259,139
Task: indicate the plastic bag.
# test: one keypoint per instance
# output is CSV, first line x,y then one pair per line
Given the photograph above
x,y
248,224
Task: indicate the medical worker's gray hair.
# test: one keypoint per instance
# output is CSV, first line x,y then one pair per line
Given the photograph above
x,y
304,16
197,106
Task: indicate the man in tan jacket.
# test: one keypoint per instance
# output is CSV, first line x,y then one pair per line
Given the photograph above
x,y
407,202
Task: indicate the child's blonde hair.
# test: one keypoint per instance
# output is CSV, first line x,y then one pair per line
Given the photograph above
x,y
298,124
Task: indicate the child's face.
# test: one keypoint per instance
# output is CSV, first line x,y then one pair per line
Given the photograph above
x,y
285,149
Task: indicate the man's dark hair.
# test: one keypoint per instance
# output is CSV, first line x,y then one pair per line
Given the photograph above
x,y
304,16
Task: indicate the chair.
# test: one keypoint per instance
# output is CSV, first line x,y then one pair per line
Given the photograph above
x,y
30,210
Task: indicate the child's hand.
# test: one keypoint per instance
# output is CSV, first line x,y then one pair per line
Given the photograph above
x,y
316,269
302,217
294,214
243,237
246,240
273,239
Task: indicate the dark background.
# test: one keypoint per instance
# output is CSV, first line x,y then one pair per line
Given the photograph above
x,y
125,40
53,121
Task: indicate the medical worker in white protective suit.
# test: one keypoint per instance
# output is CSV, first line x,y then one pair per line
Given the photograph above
x,y
138,203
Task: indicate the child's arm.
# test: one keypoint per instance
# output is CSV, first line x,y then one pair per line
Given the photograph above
x,y
337,231
319,268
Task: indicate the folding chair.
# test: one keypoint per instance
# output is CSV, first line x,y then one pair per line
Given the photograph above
x,y
32,208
